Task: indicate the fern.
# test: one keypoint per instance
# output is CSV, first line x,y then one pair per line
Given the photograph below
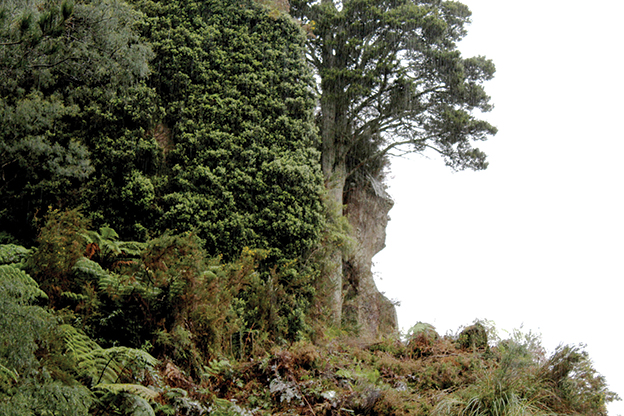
x,y
136,389
94,362
132,248
124,285
108,368
19,285
77,297
107,240
89,269
125,400
138,406
11,253
103,365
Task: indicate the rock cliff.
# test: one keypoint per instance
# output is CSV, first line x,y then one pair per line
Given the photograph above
x,y
363,305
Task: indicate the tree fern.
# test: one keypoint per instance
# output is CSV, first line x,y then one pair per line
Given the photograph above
x,y
11,253
33,380
107,370
138,390
107,241
19,285
89,269
104,365
135,405
22,325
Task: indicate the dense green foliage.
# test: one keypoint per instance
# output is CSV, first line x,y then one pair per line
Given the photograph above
x,y
63,64
165,117
237,130
218,139
161,162
28,384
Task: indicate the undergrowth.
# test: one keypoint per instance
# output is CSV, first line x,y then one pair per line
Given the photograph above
x,y
96,326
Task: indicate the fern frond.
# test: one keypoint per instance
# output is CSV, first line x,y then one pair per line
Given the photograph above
x,y
138,406
108,242
135,355
77,342
19,285
108,233
103,365
110,283
78,297
136,389
89,269
93,362
132,248
11,253
133,401
126,285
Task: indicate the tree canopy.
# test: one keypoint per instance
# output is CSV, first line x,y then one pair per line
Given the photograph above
x,y
62,65
391,79
241,165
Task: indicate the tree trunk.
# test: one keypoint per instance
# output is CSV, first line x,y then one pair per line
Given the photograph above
x,y
334,169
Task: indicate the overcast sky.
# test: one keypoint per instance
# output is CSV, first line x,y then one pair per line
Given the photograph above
x,y
537,238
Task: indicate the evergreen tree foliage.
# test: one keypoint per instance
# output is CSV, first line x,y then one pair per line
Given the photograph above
x,y
63,65
391,77
221,141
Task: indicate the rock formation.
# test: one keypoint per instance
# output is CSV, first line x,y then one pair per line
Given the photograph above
x,y
363,305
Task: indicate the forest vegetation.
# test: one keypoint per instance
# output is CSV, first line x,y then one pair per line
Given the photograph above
x,y
173,177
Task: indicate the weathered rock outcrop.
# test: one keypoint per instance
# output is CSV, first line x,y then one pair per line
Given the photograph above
x,y
364,306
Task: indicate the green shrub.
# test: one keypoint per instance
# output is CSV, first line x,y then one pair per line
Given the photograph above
x,y
473,337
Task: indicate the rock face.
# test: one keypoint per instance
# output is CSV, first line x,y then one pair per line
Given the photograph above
x,y
363,305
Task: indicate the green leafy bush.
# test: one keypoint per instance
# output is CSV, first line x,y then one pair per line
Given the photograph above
x,y
241,165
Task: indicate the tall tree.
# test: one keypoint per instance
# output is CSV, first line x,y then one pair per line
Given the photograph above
x,y
63,64
391,81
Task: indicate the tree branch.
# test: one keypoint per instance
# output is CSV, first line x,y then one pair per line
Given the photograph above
x,y
385,150
51,65
12,43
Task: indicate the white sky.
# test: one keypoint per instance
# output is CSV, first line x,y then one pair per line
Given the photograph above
x,y
537,238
